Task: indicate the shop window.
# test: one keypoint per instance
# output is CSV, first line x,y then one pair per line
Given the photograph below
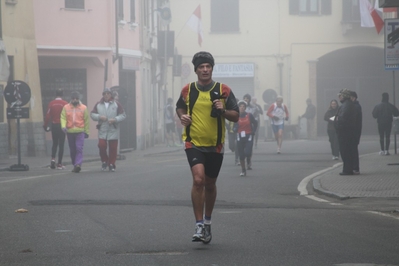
x,y
75,4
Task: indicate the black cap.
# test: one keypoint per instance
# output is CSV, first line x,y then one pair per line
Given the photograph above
x,y
75,95
201,58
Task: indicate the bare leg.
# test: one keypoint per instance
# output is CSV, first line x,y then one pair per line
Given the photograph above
x,y
279,138
197,191
210,195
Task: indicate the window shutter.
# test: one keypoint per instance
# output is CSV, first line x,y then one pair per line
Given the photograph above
x,y
294,7
326,7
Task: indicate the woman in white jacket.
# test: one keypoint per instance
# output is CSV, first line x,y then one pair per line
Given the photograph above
x,y
109,113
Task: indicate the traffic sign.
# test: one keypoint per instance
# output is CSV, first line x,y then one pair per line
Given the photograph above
x,y
17,93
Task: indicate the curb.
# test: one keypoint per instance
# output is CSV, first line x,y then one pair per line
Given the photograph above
x,y
317,187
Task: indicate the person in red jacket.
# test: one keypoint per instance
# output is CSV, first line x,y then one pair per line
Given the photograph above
x,y
53,116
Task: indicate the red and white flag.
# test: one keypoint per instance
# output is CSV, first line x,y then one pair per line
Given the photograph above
x,y
369,17
195,23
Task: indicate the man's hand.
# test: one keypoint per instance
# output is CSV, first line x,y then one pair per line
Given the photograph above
x,y
64,130
185,120
286,119
111,121
86,136
218,104
103,118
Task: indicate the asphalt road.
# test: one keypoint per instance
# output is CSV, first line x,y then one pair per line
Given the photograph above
x,y
142,215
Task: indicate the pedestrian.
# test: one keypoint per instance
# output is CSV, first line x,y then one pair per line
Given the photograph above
x,y
252,109
345,125
231,138
202,108
384,113
358,132
75,123
245,129
170,126
278,112
108,113
310,115
329,116
179,129
52,123
258,114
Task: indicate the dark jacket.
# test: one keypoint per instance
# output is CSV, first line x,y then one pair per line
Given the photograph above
x,y
310,112
345,120
384,112
358,120
330,113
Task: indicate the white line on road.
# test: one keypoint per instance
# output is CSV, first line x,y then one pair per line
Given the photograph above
x,y
30,177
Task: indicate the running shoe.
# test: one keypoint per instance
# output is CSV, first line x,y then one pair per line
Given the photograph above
x,y
207,234
243,173
278,151
104,166
382,153
387,153
249,167
112,168
76,169
199,233
52,164
60,167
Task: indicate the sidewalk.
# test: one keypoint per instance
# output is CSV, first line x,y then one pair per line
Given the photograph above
x,y
40,162
379,177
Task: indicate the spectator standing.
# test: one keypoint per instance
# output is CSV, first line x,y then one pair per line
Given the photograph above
x,y
310,115
332,134
345,125
245,128
170,126
384,113
58,136
358,132
278,112
75,123
108,113
202,108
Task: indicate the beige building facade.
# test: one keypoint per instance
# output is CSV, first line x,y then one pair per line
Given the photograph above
x,y
297,49
19,48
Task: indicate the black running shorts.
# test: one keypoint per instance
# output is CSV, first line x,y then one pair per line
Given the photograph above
x,y
212,161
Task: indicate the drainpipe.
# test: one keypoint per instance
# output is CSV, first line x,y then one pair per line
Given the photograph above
x,y
116,56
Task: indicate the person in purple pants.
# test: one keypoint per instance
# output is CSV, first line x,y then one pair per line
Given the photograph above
x,y
75,123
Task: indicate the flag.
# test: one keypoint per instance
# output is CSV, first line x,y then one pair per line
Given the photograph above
x,y
195,23
369,16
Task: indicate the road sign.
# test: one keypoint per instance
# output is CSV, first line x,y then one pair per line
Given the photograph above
x,y
17,112
185,70
17,93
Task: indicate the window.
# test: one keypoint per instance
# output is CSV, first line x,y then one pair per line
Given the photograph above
x,y
120,9
76,4
310,7
225,16
350,11
132,11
